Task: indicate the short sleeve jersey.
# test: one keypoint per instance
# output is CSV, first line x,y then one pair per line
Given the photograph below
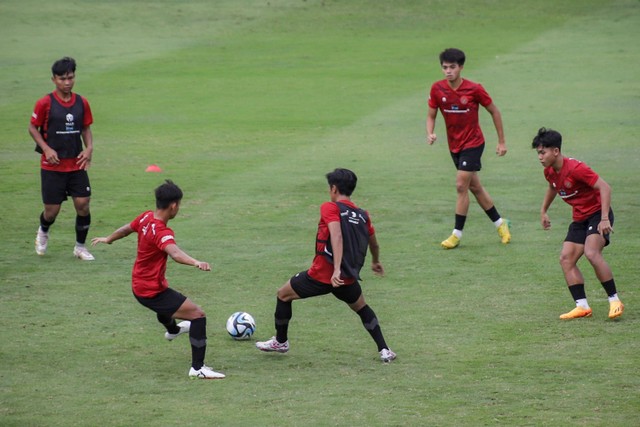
x,y
460,111
321,269
574,184
40,119
154,236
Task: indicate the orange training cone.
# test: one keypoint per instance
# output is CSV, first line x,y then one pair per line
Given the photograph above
x,y
153,168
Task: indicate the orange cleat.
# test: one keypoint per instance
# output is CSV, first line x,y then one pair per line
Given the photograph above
x,y
616,308
577,313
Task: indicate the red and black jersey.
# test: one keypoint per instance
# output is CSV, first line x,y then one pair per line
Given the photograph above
x,y
574,184
321,268
61,124
459,108
148,276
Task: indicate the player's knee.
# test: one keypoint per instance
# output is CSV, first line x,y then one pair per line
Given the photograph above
x,y
593,255
565,260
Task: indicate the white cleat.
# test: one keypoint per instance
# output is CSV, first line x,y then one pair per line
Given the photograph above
x,y
387,355
184,328
42,239
273,345
82,253
205,373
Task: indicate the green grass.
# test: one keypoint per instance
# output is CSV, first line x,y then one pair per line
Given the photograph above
x,y
247,105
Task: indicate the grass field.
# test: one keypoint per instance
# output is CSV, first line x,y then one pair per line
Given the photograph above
x,y
246,105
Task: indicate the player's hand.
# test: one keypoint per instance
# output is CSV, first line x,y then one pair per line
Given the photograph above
x,y
545,221
431,138
604,227
204,266
336,281
501,149
51,155
377,268
97,240
84,159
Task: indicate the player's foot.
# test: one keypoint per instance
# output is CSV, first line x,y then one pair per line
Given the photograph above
x,y
273,345
42,239
205,373
503,232
576,313
616,308
451,242
82,253
387,355
184,326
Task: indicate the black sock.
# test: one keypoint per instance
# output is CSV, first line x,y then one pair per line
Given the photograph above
x,y
370,322
610,287
198,339
82,228
460,220
493,214
168,323
577,291
44,224
284,312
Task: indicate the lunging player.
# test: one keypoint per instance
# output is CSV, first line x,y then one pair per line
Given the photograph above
x,y
344,233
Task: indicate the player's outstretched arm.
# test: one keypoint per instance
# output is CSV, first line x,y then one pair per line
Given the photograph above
x,y
121,232
179,256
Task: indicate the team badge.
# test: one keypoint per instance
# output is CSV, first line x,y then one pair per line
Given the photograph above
x,y
464,100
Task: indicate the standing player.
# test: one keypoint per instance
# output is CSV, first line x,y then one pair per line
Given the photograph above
x,y
60,124
590,198
459,101
150,287
344,233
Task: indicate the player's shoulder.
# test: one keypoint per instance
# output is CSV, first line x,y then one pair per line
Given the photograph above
x,y
440,85
44,100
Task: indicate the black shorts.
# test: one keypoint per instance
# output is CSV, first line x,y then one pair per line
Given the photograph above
x,y
56,186
578,231
468,160
166,302
306,287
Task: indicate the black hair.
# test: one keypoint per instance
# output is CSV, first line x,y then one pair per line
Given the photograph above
x,y
167,193
63,66
547,138
453,56
344,180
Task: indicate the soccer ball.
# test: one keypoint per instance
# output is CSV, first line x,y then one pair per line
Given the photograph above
x,y
241,325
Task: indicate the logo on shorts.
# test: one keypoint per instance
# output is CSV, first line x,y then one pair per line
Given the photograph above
x,y
464,163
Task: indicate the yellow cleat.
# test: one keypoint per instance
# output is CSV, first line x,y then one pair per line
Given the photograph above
x,y
503,232
576,313
616,308
451,242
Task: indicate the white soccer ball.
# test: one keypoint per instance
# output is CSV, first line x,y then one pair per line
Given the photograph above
x,y
241,325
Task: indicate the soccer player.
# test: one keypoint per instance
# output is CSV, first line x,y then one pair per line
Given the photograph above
x,y
60,124
590,198
150,287
459,101
344,233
